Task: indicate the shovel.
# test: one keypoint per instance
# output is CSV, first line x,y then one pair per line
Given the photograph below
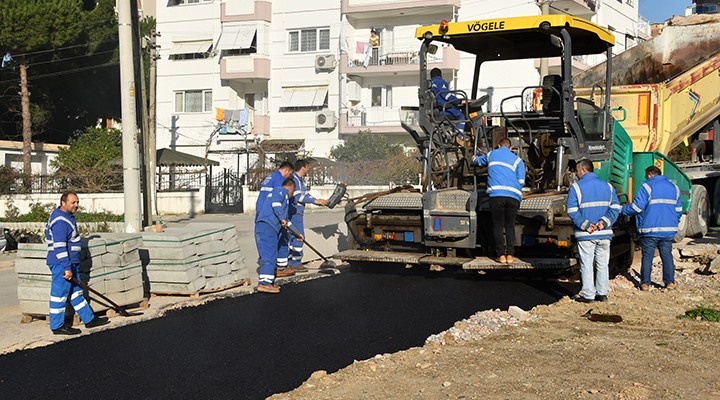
x,y
327,267
115,307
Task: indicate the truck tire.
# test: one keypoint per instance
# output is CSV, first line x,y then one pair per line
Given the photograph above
x,y
697,220
715,219
682,229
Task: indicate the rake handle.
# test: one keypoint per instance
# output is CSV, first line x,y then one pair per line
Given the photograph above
x,y
117,308
297,235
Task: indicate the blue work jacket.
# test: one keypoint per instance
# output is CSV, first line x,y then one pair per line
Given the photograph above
x,y
302,196
506,173
658,207
275,209
63,239
274,180
590,200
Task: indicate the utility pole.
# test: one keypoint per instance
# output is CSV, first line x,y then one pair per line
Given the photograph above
x,y
131,164
143,110
152,126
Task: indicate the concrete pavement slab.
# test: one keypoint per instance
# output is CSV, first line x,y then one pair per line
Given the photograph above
x,y
32,250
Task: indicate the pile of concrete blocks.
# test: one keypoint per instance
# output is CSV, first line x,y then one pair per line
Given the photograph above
x,y
34,278
229,249
110,263
192,258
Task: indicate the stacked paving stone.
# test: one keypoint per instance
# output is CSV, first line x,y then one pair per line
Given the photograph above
x,y
34,278
110,263
192,258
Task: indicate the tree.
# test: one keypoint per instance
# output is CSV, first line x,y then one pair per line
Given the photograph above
x,y
366,146
42,32
91,161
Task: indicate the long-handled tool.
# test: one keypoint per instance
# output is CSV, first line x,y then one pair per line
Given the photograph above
x,y
327,267
115,307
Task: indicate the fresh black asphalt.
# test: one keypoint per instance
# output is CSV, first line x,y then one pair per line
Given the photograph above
x,y
251,347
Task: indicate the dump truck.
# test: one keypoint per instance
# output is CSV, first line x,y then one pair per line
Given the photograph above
x,y
665,93
446,221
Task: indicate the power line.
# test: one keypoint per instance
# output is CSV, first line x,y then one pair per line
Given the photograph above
x,y
60,48
67,72
70,58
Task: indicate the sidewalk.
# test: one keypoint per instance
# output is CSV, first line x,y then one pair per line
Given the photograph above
x,y
325,230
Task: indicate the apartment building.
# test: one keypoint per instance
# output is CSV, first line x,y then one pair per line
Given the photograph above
x,y
304,75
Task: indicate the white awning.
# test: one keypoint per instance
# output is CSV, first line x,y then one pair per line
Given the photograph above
x,y
236,37
198,46
310,96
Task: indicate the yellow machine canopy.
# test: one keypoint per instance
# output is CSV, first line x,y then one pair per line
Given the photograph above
x,y
520,37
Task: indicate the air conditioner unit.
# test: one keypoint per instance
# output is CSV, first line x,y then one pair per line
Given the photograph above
x,y
353,91
325,120
325,62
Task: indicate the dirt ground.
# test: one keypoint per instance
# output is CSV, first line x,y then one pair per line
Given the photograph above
x,y
557,353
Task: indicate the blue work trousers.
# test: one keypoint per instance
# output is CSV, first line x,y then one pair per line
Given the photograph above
x,y
60,290
283,251
296,246
664,245
267,241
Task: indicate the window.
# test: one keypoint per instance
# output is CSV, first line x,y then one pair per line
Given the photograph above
x,y
172,3
193,101
190,50
308,40
237,40
256,101
381,96
308,98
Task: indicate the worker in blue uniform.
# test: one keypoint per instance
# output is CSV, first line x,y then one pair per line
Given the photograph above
x,y
297,211
446,99
63,259
273,181
593,206
658,208
506,177
269,227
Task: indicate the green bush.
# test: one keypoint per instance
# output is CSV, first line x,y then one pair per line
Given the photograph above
x,y
40,212
702,313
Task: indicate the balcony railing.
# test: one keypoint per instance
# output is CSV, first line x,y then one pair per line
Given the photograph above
x,y
373,116
390,55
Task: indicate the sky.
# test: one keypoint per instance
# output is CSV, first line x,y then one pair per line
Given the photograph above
x,y
660,10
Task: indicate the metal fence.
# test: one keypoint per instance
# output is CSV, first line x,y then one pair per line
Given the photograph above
x,y
113,183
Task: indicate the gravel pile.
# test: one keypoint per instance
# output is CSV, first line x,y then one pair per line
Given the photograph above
x,y
476,327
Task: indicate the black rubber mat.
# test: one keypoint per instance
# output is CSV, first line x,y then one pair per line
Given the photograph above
x,y
251,347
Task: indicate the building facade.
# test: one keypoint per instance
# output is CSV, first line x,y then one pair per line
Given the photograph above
x,y
235,75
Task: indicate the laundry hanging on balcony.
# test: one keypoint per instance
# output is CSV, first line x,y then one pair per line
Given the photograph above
x,y
232,121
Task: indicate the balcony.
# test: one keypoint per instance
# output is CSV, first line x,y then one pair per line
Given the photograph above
x,y
256,124
394,61
239,11
365,13
245,67
578,8
385,120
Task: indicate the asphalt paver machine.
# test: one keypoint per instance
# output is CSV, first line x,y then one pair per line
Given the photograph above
x,y
446,222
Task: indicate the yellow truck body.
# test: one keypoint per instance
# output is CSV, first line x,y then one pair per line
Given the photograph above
x,y
660,116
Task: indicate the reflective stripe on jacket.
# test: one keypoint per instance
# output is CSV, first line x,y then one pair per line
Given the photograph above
x,y
590,200
658,206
